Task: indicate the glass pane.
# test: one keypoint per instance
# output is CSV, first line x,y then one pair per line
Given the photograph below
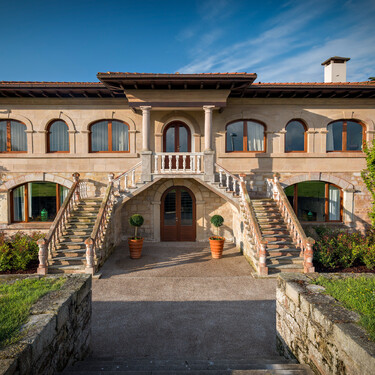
x,y
289,192
235,137
19,203
183,139
58,137
354,136
63,193
295,137
311,201
18,136
42,201
120,139
334,136
334,203
255,136
169,140
186,209
99,136
3,136
170,208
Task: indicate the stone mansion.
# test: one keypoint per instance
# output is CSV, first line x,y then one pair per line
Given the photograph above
x,y
179,148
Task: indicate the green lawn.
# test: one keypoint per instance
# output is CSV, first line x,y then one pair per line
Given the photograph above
x,y
357,294
16,300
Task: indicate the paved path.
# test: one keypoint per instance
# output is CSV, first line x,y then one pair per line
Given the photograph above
x,y
177,302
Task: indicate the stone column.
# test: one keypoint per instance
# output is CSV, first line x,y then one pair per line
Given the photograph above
x,y
29,137
146,154
72,141
145,127
282,141
322,147
310,137
43,257
208,127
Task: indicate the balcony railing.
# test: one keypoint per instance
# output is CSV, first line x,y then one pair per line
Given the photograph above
x,y
178,163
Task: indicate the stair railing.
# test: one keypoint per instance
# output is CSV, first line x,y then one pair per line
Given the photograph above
x,y
298,234
228,180
254,229
47,244
95,241
126,179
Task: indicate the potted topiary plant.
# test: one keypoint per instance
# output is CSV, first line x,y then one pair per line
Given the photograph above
x,y
217,242
135,243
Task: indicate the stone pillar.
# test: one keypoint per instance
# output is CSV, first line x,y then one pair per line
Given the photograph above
x,y
208,127
322,141
269,146
348,207
77,192
310,137
132,141
308,266
43,265
145,127
72,141
209,166
282,141
29,137
90,264
262,266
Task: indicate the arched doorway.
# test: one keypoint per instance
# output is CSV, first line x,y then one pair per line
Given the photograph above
x,y
177,138
178,215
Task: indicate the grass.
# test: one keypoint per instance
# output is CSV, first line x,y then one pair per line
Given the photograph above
x,y
16,300
357,294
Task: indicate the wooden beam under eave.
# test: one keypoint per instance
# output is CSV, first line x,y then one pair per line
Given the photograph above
x,y
99,94
44,94
333,94
346,95
217,85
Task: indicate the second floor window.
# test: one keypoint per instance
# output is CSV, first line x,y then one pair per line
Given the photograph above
x,y
245,136
295,137
109,136
345,135
58,137
12,136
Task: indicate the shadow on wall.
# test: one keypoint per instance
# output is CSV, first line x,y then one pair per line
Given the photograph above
x,y
91,188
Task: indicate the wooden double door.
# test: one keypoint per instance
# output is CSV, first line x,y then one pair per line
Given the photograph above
x,y
178,221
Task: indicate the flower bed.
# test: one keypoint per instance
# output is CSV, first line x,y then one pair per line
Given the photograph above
x,y
338,251
19,253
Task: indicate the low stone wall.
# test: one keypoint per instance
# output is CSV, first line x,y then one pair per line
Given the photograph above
x,y
318,331
57,333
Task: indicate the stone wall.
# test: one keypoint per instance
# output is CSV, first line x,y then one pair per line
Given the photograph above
x,y
57,333
148,204
316,330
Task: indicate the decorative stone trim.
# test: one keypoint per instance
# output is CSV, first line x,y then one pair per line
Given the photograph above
x,y
57,333
318,331
317,176
48,177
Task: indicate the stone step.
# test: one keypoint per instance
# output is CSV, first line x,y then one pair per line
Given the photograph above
x,y
78,225
72,238
283,252
270,226
69,253
81,214
66,269
267,366
78,232
275,232
277,268
73,261
279,244
70,245
285,259
82,220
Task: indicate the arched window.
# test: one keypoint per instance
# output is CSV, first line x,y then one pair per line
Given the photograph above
x,y
58,137
295,137
345,135
12,136
36,201
316,201
109,136
245,136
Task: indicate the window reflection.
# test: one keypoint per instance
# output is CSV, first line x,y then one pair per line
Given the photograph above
x,y
235,137
295,137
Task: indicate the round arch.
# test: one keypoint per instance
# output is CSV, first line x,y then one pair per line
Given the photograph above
x,y
56,116
125,119
178,116
324,177
24,120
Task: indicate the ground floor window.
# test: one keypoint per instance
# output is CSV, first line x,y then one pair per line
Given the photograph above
x,y
37,201
316,201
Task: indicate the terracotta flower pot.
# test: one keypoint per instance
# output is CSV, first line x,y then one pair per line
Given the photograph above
x,y
135,247
217,245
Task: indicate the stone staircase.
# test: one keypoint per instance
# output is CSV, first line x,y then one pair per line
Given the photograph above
x,y
258,366
69,254
282,254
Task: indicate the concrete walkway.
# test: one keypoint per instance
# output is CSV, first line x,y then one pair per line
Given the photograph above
x,y
177,302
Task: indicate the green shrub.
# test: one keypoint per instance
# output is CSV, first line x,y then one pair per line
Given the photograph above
x,y
136,221
18,251
217,221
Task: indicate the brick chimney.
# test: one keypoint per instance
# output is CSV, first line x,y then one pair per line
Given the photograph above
x,y
335,69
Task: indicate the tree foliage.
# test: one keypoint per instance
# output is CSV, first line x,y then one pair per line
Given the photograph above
x,y
368,176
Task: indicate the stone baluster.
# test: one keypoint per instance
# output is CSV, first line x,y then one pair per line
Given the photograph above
x,y
234,185
162,163
177,162
184,163
42,254
198,164
77,192
133,177
220,177
156,164
126,182
170,158
227,181
90,268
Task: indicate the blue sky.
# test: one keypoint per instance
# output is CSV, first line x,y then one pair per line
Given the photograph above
x,y
281,41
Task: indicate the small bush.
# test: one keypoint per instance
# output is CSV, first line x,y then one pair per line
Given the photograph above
x,y
18,251
217,221
136,221
337,249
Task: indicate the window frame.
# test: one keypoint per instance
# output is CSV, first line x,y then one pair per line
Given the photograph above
x,y
326,202
9,137
109,127
26,204
304,136
345,135
49,141
244,140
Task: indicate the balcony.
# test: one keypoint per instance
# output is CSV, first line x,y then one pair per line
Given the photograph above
x,y
178,163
